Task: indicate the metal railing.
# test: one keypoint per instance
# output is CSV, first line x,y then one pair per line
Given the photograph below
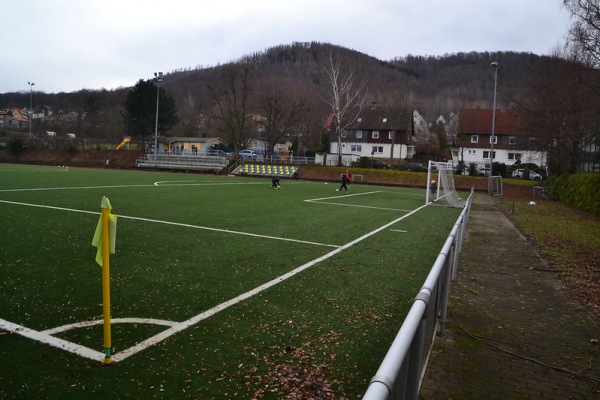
x,y
203,163
399,375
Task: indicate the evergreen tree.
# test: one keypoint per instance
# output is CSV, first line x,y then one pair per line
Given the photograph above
x,y
140,110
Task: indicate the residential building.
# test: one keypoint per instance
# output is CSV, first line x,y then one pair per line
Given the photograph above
x,y
513,139
376,133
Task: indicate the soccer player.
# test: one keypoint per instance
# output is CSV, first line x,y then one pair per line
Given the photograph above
x,y
275,183
345,181
433,188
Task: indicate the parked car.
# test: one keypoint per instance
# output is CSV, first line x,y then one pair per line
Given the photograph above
x,y
416,167
248,154
378,164
483,171
520,173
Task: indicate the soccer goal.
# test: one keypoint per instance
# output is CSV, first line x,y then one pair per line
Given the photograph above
x,y
440,184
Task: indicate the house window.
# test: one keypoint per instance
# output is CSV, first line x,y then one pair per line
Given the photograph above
x,y
474,138
391,135
376,149
514,156
359,134
486,154
472,152
493,139
359,119
455,153
384,120
512,140
356,148
375,134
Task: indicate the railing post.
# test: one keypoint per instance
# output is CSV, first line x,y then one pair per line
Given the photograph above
x,y
415,360
446,287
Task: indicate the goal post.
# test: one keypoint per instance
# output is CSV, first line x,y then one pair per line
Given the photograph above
x,y
440,184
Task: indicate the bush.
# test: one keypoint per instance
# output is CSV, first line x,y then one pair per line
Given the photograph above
x,y
71,148
16,146
578,191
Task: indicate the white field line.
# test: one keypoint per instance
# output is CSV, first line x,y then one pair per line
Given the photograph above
x,y
60,169
86,324
74,348
206,228
208,313
398,230
129,186
175,327
320,201
83,351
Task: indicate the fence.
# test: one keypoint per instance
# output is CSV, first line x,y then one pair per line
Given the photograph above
x,y
399,375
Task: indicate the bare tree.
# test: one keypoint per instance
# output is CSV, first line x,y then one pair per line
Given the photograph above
x,y
348,98
562,108
230,96
584,33
283,109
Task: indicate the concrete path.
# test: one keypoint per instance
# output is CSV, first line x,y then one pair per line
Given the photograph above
x,y
512,331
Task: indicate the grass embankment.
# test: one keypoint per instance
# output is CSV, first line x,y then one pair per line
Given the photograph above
x,y
568,239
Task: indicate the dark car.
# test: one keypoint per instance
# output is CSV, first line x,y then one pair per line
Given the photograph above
x,y
416,167
378,164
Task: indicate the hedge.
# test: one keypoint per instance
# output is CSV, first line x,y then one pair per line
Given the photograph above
x,y
581,191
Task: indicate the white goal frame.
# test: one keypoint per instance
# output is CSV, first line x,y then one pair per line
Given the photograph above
x,y
443,174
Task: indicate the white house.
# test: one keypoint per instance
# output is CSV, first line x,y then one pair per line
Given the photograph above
x,y
513,139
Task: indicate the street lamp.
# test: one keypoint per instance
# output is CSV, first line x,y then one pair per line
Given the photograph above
x,y
157,80
30,113
492,137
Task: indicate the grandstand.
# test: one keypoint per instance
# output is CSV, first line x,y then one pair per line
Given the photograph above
x,y
265,169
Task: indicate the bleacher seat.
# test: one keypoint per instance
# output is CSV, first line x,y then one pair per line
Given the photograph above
x,y
261,169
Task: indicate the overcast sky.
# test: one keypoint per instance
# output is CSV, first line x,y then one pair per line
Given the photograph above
x,y
68,45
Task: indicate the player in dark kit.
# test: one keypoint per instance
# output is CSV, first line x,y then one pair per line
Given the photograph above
x,y
275,183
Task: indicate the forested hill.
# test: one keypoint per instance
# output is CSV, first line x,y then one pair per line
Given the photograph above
x,y
440,84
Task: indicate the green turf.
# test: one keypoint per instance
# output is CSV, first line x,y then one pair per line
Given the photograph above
x,y
180,252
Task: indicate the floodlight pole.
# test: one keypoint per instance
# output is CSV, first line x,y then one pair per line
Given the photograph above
x,y
492,137
157,80
30,113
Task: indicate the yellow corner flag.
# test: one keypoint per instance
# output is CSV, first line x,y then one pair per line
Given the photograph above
x,y
104,239
112,231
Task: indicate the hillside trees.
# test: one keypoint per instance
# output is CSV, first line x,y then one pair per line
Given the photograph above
x,y
139,115
230,93
563,96
283,109
562,108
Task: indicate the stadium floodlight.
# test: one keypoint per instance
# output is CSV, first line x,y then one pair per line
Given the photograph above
x,y
157,80
30,111
492,137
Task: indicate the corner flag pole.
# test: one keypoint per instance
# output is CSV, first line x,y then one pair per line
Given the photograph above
x,y
106,280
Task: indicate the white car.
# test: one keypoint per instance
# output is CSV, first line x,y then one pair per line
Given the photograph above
x,y
534,176
248,154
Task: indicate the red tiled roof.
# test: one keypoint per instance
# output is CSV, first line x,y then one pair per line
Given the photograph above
x,y
479,121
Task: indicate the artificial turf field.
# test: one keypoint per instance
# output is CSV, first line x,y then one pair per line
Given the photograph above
x,y
221,287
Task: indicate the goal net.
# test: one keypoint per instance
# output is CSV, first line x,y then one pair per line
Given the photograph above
x,y
440,185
